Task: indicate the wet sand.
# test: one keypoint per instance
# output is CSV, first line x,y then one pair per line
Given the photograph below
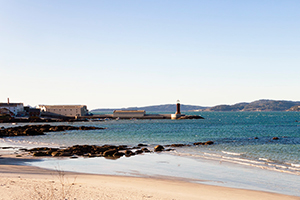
x,y
18,181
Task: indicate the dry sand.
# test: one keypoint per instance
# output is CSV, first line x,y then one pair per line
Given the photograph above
x,y
27,182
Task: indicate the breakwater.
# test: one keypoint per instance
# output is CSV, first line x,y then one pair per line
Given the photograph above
x,y
146,116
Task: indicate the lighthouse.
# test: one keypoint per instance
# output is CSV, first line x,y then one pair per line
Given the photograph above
x,y
177,114
178,108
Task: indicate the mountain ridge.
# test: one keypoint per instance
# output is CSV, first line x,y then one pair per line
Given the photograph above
x,y
259,105
255,106
155,108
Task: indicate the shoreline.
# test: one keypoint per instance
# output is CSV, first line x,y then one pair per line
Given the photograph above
x,y
189,165
14,174
166,166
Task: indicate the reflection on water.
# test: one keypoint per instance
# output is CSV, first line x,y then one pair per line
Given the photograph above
x,y
165,165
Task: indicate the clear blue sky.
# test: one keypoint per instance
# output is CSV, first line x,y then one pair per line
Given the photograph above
x,y
109,54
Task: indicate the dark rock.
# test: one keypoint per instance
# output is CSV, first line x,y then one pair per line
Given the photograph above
x,y
49,152
142,145
145,150
109,152
55,153
111,158
169,149
118,154
199,143
208,143
6,147
77,152
65,153
191,117
128,152
158,148
139,152
43,149
91,155
32,132
39,153
177,145
122,147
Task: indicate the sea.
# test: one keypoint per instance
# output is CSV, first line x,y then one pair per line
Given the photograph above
x,y
244,154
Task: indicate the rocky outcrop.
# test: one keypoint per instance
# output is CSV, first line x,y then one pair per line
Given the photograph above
x,y
30,130
88,151
191,117
158,148
204,143
107,151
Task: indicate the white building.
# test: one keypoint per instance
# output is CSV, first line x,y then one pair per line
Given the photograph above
x,y
13,107
65,110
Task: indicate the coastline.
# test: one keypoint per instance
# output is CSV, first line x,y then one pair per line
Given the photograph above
x,y
20,181
231,169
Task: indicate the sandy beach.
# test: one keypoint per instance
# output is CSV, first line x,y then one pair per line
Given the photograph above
x,y
26,182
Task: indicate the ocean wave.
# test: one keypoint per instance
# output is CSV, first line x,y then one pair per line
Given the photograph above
x,y
261,163
295,165
232,153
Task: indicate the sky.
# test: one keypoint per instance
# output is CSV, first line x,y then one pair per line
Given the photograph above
x,y
113,54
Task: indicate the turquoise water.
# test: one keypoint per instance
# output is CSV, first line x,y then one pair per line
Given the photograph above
x,y
233,134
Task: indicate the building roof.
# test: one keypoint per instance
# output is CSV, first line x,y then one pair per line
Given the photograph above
x,y
62,106
10,104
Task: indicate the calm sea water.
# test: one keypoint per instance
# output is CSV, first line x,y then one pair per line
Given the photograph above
x,y
233,134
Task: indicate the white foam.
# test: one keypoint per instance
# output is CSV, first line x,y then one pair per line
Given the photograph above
x,y
261,163
232,153
264,159
295,165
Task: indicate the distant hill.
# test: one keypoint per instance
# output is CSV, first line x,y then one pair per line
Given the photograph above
x,y
156,108
260,105
294,108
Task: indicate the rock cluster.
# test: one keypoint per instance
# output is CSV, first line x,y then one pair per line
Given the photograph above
x,y
107,151
30,130
204,143
191,117
196,143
